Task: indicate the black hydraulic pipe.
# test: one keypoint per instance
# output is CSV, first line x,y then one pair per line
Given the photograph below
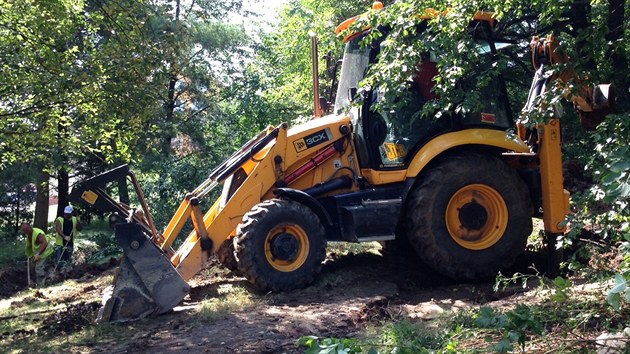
x,y
333,184
229,170
229,160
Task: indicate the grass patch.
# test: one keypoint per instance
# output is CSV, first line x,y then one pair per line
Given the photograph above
x,y
230,299
536,241
346,248
402,337
412,336
567,320
93,335
97,244
88,337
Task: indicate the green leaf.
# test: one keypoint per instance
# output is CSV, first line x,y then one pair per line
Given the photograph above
x,y
610,177
614,300
620,284
620,166
503,346
562,283
307,340
486,317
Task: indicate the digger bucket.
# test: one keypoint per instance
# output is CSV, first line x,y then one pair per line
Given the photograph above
x,y
147,283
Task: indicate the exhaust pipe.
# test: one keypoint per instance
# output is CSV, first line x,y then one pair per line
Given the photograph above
x,y
317,112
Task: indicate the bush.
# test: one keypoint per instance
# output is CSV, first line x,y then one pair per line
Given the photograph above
x,y
12,252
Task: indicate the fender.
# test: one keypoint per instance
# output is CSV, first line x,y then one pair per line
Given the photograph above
x,y
487,137
303,198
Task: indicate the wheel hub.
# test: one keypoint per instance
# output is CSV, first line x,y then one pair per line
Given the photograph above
x,y
476,216
285,246
473,216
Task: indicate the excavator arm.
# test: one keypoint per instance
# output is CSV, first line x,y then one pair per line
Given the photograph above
x,y
152,276
592,105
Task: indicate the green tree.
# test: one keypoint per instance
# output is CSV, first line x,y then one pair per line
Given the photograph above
x,y
278,83
17,194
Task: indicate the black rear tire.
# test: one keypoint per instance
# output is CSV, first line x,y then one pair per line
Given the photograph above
x,y
280,245
468,216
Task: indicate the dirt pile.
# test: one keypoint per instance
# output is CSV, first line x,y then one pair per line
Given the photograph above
x,y
90,270
13,280
73,319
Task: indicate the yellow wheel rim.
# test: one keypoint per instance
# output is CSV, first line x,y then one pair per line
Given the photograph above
x,y
476,216
286,247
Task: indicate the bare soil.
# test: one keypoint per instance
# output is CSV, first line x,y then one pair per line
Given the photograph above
x,y
15,279
352,292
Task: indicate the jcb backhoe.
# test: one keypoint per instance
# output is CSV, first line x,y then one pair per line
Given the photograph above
x,y
462,190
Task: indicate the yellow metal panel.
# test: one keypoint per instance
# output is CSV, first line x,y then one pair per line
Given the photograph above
x,y
183,258
220,223
176,224
487,137
384,177
212,213
90,197
555,198
297,150
219,226
191,260
198,222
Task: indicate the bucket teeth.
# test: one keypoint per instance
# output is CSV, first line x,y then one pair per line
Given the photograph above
x,y
146,284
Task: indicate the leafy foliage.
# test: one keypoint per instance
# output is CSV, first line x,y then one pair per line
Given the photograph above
x,y
16,195
279,81
63,78
610,163
317,345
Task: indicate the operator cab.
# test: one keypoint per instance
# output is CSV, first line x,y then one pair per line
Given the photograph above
x,y
389,140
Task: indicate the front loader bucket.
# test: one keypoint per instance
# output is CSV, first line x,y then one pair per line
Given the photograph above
x,y
147,283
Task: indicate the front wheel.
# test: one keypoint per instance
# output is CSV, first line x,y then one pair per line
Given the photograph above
x,y
280,245
469,216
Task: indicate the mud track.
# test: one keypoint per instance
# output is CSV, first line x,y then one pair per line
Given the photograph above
x,y
352,292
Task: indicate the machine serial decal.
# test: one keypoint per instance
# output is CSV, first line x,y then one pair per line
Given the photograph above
x,y
311,140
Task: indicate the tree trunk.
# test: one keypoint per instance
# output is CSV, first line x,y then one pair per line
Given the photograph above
x,y
169,105
169,115
41,201
615,35
63,183
18,193
123,191
581,11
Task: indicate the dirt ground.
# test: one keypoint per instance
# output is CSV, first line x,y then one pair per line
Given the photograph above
x,y
352,292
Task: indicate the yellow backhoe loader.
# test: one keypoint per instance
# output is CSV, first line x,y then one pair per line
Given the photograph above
x,y
462,189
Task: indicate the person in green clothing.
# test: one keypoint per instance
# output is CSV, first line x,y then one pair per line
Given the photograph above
x,y
66,227
39,247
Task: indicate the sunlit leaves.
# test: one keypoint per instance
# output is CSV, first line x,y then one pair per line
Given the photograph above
x,y
56,80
